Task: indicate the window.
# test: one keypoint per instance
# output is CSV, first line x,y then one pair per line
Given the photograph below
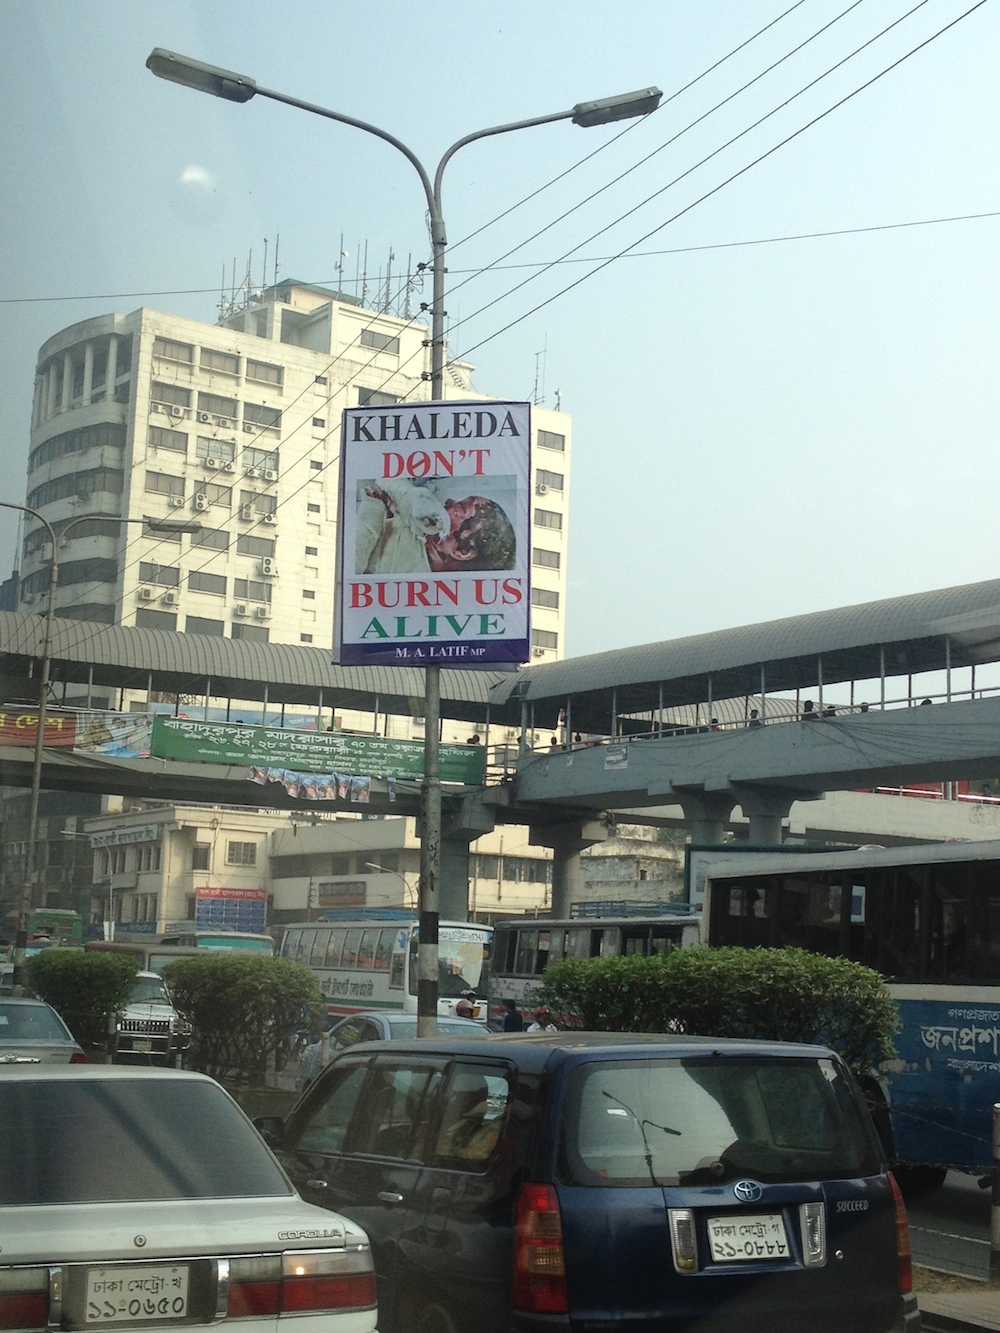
x,y
77,483
553,480
316,464
218,495
264,372
545,597
145,619
201,856
548,518
381,342
173,351
248,545
309,594
76,442
159,438
305,638
475,1108
224,362
254,590
223,450
548,439
392,1120
260,504
319,421
375,398
165,576
312,550
216,404
258,414
257,632
162,483
321,379
313,509
241,853
262,458
213,583
326,1129
544,638
547,559
216,538
201,625
170,393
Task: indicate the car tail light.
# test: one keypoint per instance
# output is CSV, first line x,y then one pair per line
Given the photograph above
x,y
539,1260
301,1281
78,1058
24,1298
903,1253
812,1227
683,1240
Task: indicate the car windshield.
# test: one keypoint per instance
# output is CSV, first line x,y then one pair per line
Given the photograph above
x,y
29,1022
692,1122
461,959
97,1141
149,990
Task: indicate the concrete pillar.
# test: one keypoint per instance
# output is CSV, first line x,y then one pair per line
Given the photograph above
x,y
567,841
112,368
767,809
67,384
459,828
50,389
88,372
707,813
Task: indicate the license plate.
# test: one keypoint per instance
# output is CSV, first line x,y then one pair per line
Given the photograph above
x,y
742,1237
135,1294
141,1044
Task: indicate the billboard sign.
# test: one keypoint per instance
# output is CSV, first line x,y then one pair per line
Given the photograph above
x,y
434,538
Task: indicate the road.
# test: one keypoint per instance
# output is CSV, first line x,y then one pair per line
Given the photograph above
x,y
950,1227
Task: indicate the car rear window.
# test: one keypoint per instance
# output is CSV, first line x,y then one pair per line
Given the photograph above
x,y
94,1141
30,1022
692,1122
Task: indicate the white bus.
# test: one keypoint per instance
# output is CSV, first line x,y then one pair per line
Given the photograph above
x,y
371,962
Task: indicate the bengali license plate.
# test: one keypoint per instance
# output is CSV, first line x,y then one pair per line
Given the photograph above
x,y
747,1237
137,1294
141,1044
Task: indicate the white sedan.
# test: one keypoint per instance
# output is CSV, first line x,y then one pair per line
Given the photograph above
x,y
143,1198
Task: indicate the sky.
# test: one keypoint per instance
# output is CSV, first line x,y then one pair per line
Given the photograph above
x,y
767,420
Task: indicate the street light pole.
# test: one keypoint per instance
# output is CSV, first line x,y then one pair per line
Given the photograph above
x,y
233,87
55,541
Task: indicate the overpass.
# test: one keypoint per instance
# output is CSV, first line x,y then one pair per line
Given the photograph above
x,y
665,723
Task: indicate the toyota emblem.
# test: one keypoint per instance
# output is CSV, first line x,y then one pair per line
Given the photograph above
x,y
748,1191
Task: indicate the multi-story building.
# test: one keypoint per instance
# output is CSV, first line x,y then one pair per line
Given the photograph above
x,y
235,426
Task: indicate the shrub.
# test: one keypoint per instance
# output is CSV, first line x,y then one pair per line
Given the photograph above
x,y
774,994
244,1010
86,989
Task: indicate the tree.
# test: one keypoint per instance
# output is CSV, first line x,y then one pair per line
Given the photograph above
x,y
86,989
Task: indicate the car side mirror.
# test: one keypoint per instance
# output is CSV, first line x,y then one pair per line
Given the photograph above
x,y
271,1128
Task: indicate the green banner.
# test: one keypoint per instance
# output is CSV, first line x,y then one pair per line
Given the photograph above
x,y
310,751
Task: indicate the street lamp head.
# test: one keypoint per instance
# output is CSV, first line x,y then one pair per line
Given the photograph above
x,y
623,107
203,78
160,525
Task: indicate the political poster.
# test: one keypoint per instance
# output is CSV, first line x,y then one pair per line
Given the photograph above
x,y
434,551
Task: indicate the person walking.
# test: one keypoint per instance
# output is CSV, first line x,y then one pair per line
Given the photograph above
x,y
511,1020
543,1021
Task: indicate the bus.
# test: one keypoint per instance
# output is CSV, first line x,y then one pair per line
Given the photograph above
x,y
219,940
53,925
368,960
524,947
928,919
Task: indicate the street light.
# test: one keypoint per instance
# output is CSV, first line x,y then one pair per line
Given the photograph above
x,y
154,525
233,87
400,875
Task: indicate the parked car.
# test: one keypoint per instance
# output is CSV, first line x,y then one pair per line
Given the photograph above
x,y
143,1197
150,1027
376,1026
596,1181
32,1033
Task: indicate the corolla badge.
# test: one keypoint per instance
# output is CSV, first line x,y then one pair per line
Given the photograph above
x,y
748,1191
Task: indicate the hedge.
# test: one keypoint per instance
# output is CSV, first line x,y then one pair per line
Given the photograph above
x,y
774,994
86,989
244,1010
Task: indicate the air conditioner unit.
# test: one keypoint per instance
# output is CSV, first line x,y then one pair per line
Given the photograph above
x,y
229,467
146,594
271,518
169,599
241,609
204,417
247,428
246,513
270,474
262,613
176,411
212,463
251,472
157,407
538,652
268,567
175,501
222,421
541,489
201,503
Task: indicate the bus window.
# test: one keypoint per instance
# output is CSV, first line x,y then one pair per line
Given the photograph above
x,y
366,953
505,949
304,950
544,945
383,951
527,948
318,951
290,944
577,944
556,945
397,968
334,948
610,943
351,945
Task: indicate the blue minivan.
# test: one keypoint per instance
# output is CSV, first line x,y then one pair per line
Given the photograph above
x,y
595,1181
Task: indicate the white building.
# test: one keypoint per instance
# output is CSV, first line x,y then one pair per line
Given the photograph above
x,y
235,426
